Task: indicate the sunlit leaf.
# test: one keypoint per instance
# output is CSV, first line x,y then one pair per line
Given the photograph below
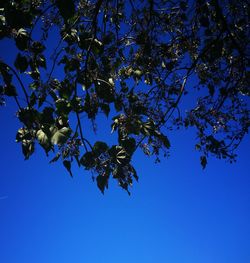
x,y
61,136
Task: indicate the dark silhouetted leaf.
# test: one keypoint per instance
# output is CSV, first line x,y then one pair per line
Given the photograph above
x,y
102,182
203,161
66,8
129,145
100,147
67,165
10,90
21,63
88,160
165,140
56,158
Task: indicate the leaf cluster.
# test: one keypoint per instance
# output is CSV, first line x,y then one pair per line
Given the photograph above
x,y
135,62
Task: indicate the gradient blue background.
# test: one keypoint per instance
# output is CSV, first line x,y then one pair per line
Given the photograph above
x,y
177,212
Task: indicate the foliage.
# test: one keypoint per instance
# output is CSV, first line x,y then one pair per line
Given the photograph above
x,y
132,61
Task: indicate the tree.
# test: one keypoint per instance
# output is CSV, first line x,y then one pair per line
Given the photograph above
x,y
134,61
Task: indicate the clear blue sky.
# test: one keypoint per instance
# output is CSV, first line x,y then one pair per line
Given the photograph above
x,y
177,213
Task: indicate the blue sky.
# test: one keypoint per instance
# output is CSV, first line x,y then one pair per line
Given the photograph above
x,y
177,213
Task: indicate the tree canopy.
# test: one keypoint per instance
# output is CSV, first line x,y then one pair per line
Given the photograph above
x,y
133,61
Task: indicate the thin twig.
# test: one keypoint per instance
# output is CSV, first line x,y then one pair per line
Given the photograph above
x,y
81,133
17,102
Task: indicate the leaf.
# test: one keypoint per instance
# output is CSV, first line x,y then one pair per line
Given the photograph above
x,y
10,90
204,21
100,147
15,15
102,182
41,61
88,160
97,47
121,155
105,91
67,165
33,99
134,173
23,134
28,148
55,158
138,73
22,39
105,108
63,107
46,116
203,161
37,47
165,140
66,8
22,33
118,103
43,140
129,145
65,90
34,85
21,63
4,71
148,128
28,116
61,136
76,104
